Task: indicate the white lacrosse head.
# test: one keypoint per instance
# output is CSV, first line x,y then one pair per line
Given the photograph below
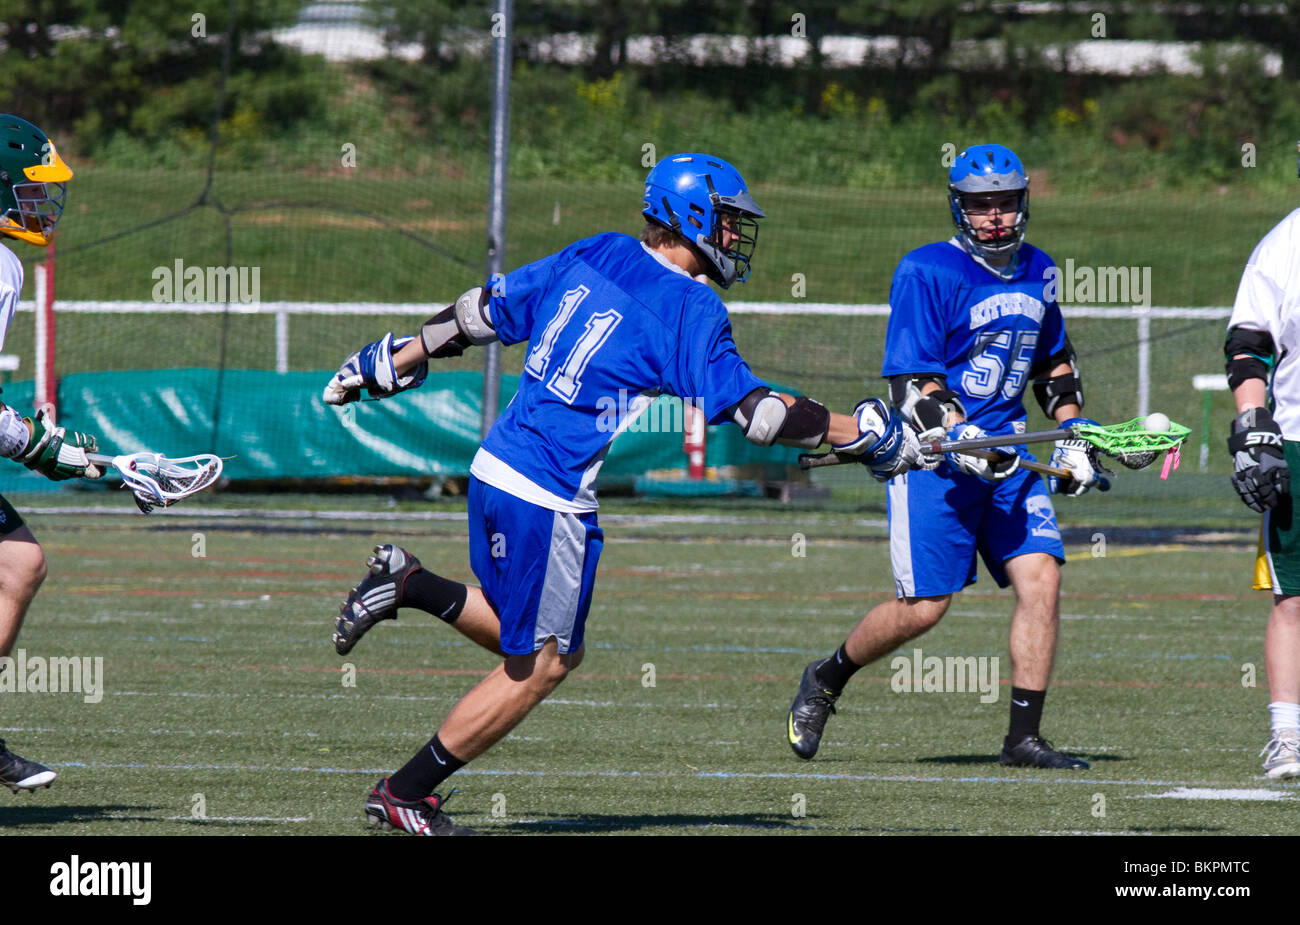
x,y
157,481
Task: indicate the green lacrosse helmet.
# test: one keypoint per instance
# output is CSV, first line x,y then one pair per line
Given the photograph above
x,y
33,182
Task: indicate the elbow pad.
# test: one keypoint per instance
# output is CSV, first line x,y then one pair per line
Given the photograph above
x,y
765,420
462,324
1258,352
1064,389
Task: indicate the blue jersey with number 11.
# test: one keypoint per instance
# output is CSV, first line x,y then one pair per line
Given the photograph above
x,y
608,326
950,316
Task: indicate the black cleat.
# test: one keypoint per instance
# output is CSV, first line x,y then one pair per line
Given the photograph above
x,y
1037,752
812,706
376,597
419,817
17,773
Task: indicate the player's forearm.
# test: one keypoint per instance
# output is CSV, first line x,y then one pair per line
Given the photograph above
x,y
842,429
1251,393
409,356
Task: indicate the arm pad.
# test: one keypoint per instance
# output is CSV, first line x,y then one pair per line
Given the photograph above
x,y
464,323
765,420
1064,389
1258,350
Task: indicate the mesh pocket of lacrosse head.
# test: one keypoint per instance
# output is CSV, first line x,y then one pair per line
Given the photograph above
x,y
1131,443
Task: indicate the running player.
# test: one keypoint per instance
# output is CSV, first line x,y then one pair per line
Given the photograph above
x,y
33,184
608,315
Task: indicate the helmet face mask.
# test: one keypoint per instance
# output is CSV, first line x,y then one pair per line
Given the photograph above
x,y
704,199
988,171
33,182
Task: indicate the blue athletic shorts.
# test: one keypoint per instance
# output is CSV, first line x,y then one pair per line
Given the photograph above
x,y
939,519
537,567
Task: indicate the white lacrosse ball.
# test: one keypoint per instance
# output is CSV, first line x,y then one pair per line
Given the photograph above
x,y
1157,423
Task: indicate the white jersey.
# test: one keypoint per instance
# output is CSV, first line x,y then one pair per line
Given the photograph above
x,y
1268,299
11,288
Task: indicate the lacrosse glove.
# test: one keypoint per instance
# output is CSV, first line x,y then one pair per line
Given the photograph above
x,y
1260,472
885,444
372,367
1080,457
57,454
991,469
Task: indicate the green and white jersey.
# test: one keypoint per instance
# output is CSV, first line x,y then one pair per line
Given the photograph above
x,y
11,288
1268,299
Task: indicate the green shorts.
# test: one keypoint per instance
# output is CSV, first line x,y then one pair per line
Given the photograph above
x,y
1282,530
10,520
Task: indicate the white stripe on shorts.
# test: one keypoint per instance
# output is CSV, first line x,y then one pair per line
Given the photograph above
x,y
557,609
900,540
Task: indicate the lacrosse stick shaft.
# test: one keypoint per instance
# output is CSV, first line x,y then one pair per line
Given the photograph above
x,y
821,460
983,443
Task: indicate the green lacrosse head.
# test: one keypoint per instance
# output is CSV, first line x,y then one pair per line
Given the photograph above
x,y
1131,443
33,182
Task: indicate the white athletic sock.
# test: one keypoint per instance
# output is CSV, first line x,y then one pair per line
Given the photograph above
x,y
1285,715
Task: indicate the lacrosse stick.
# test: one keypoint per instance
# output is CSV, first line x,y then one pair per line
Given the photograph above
x,y
1131,443
821,460
156,481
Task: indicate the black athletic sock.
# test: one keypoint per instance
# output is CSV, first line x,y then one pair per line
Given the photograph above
x,y
420,776
835,672
434,594
1026,713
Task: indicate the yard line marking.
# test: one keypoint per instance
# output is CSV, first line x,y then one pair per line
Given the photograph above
x,y
702,775
1202,793
238,818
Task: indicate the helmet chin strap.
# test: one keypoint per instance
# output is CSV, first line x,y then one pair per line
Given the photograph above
x,y
1003,272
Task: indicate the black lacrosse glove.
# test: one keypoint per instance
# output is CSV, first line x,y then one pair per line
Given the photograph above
x,y
1260,472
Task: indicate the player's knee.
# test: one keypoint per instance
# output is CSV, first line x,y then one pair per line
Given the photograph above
x,y
924,612
23,570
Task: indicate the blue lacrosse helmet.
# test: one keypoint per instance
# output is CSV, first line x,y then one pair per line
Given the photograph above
x,y
697,195
988,169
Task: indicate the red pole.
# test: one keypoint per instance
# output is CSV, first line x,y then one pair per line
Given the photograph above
x,y
693,441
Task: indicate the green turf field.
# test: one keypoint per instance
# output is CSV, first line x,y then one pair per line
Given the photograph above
x,y
222,690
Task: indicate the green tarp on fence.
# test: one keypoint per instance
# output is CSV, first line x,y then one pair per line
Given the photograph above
x,y
275,426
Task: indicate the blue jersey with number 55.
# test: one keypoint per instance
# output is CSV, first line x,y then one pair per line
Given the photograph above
x,y
609,325
950,316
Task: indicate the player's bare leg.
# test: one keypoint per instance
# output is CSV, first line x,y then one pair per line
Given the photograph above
x,y
501,700
885,627
395,578
892,623
478,622
22,569
479,720
1282,662
1282,649
1035,625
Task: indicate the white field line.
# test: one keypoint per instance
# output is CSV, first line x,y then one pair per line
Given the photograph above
x,y
699,775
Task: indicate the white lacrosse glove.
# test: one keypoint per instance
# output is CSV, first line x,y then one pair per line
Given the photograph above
x,y
1080,457
992,470
885,443
372,368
